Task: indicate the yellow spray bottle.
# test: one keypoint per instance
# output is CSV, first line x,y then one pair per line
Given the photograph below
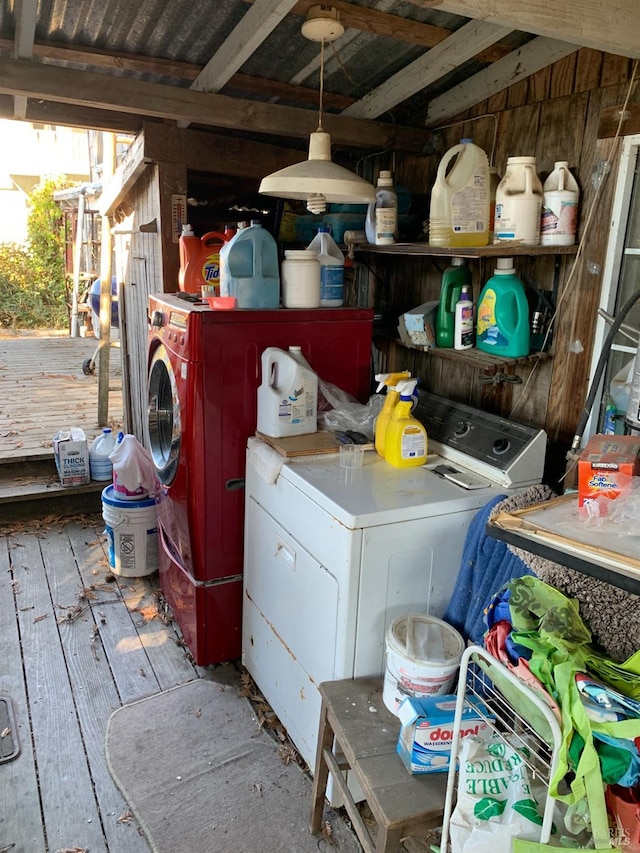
x,y
406,438
391,398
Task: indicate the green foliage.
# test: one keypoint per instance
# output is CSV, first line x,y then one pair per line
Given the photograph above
x,y
33,292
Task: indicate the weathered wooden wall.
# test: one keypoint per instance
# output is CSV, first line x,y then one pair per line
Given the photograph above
x,y
144,262
553,115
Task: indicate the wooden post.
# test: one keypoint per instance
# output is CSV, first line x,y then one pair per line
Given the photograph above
x,y
106,264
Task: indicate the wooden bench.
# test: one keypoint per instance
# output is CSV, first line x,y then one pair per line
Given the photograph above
x,y
355,721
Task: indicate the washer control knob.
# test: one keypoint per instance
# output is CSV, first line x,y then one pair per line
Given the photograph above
x,y
156,319
461,428
501,445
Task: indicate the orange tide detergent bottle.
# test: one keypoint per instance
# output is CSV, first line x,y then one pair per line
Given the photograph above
x,y
405,443
200,259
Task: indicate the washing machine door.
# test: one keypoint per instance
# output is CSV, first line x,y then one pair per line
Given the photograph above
x,y
164,416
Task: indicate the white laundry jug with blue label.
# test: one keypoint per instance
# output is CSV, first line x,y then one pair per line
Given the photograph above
x,y
288,395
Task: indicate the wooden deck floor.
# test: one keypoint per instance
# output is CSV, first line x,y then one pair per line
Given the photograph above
x,y
43,390
73,647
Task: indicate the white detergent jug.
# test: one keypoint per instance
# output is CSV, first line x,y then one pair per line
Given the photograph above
x,y
100,466
459,212
518,203
559,207
288,394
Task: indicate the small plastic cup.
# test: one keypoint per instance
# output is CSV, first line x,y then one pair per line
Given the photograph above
x,y
351,456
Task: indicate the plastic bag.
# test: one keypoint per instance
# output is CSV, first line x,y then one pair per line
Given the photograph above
x,y
134,470
495,799
338,410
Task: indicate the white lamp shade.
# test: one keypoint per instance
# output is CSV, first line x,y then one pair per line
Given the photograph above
x,y
319,176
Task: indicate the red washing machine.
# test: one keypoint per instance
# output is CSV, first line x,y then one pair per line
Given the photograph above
x,y
204,373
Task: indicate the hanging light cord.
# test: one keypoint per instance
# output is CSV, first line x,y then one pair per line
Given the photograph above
x,y
321,84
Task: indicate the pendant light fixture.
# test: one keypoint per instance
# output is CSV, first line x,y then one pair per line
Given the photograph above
x,y
318,180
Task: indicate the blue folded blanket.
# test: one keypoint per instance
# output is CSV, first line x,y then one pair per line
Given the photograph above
x,y
487,564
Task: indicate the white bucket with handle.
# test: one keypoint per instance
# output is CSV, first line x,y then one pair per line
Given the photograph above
x,y
132,533
423,656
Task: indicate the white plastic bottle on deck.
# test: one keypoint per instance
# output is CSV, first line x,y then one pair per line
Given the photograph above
x,y
100,466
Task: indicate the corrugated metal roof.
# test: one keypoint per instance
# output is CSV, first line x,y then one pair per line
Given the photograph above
x,y
162,42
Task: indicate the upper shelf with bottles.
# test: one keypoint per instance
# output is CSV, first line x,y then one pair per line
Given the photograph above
x,y
500,250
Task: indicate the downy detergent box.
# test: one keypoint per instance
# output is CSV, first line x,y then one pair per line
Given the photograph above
x,y
425,738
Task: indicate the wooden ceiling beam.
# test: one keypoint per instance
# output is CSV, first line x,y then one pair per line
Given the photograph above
x,y
431,66
393,26
612,27
179,71
90,89
521,63
252,30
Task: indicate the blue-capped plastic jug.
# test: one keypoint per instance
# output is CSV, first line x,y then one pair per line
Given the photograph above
x,y
249,268
503,313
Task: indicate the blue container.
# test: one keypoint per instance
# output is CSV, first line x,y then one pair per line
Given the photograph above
x,y
94,302
249,268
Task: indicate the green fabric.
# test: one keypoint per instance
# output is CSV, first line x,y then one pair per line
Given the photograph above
x,y
549,624
520,846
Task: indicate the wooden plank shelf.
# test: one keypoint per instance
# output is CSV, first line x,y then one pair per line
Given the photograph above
x,y
502,250
479,359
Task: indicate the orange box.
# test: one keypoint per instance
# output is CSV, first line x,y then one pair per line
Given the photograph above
x,y
606,466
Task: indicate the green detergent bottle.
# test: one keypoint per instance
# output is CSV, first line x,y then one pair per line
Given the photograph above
x,y
503,313
453,279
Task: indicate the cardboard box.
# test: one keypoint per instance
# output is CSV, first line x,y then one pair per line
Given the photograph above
x,y
425,738
606,466
72,457
417,328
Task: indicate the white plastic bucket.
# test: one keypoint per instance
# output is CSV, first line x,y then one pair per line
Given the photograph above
x,y
423,655
132,532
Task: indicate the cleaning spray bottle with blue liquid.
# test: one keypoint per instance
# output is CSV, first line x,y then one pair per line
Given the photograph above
x,y
405,438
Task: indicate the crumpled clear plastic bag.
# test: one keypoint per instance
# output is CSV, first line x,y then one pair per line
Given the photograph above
x,y
339,411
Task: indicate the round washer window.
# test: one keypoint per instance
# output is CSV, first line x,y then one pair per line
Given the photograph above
x,y
164,416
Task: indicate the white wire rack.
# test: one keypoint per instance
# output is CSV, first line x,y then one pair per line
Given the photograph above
x,y
485,679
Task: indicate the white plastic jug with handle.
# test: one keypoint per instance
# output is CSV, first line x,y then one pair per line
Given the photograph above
x,y
288,394
331,262
100,466
559,207
459,212
518,203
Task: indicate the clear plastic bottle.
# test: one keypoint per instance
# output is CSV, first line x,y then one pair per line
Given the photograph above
x,y
100,466
381,224
331,269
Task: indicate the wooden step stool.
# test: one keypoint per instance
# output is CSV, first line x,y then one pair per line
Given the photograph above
x,y
366,733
